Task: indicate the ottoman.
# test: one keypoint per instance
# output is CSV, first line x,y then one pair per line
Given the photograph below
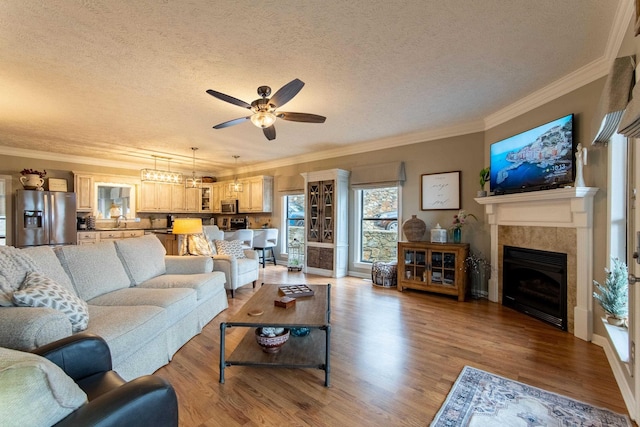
x,y
384,274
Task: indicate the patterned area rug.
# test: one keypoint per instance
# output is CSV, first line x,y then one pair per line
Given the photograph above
x,y
479,398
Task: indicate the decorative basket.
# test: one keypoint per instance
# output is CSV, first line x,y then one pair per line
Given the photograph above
x,y
414,229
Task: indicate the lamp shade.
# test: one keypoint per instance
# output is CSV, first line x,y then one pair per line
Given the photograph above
x,y
187,226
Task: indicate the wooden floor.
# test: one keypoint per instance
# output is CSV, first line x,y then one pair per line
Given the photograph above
x,y
394,357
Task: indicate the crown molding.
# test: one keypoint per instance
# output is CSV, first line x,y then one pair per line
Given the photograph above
x,y
379,144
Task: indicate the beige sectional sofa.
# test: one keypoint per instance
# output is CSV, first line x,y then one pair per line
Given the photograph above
x,y
146,305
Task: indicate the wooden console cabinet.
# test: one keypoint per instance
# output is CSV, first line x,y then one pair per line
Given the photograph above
x,y
433,267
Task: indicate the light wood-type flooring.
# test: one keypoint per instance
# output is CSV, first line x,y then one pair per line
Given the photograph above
x,y
394,357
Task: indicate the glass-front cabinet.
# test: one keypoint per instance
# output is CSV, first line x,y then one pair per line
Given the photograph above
x,y
433,267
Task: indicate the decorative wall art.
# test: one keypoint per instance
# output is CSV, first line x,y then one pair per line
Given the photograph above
x,y
440,191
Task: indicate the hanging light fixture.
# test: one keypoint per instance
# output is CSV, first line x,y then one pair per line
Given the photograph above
x,y
156,175
235,186
193,182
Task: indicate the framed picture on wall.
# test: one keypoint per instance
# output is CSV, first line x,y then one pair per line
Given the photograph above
x,y
440,191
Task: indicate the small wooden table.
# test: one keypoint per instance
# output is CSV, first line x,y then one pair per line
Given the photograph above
x,y
311,351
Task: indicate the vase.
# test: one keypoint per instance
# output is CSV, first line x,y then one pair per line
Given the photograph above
x,y
457,235
31,181
414,229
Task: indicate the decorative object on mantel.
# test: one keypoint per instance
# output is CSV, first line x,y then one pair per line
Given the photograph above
x,y
414,229
459,220
485,175
438,234
32,179
581,160
613,296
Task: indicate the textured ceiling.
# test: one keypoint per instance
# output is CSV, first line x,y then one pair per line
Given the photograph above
x,y
125,80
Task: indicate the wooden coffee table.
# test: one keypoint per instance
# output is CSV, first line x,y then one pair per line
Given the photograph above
x,y
311,351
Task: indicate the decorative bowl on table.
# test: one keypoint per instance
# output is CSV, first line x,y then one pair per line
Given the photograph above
x,y
271,339
300,332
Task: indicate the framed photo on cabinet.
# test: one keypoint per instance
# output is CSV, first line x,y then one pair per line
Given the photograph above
x,y
440,191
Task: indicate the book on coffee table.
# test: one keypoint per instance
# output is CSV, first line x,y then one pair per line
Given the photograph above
x,y
296,291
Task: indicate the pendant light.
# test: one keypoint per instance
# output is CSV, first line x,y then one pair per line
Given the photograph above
x,y
193,182
156,175
235,186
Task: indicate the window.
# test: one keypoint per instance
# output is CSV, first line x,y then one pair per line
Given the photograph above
x,y
294,219
378,213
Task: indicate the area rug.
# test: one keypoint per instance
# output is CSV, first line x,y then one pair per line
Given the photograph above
x,y
479,398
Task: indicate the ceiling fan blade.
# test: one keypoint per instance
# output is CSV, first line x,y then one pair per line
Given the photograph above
x,y
301,117
286,93
232,122
270,132
229,99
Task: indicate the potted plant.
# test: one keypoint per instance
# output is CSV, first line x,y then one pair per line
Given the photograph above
x,y
459,220
613,295
32,179
484,178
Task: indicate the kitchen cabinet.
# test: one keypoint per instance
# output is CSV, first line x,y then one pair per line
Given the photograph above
x,y
327,225
193,199
205,201
433,267
156,196
216,197
257,195
92,237
84,189
170,242
178,198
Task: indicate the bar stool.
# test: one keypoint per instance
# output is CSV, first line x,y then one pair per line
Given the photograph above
x,y
265,242
245,236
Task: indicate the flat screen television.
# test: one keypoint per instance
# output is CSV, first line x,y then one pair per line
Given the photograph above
x,y
538,159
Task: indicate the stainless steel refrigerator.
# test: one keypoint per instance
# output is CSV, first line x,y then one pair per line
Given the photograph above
x,y
45,218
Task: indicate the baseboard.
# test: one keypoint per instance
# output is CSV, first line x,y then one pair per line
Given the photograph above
x,y
617,369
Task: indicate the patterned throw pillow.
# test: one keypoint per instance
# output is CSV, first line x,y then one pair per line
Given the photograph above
x,y
230,247
40,291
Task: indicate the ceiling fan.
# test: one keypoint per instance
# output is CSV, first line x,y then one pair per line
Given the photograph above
x,y
264,109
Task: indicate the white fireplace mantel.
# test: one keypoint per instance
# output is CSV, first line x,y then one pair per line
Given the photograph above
x,y
562,207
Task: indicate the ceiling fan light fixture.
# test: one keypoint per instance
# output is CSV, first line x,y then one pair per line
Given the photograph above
x,y
263,119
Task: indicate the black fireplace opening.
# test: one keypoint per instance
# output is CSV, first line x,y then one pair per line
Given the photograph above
x,y
535,283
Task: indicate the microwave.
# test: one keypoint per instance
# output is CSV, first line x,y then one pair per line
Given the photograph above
x,y
229,206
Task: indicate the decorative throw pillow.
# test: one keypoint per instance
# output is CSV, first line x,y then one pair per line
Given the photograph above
x,y
35,391
230,247
40,291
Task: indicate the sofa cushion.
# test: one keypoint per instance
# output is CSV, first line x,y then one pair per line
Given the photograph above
x,y
177,302
40,291
35,391
94,269
230,247
205,284
48,264
14,266
127,329
142,257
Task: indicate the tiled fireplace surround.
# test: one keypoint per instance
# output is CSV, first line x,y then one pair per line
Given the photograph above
x,y
557,220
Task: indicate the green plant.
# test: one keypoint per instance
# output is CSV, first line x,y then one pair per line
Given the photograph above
x,y
484,177
613,296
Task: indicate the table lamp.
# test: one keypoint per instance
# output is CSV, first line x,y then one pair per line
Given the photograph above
x,y
186,227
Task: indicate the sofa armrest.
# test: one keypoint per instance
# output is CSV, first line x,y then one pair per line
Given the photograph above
x,y
144,401
250,253
26,328
79,356
188,264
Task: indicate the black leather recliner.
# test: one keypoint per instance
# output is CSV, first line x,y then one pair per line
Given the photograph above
x,y
144,401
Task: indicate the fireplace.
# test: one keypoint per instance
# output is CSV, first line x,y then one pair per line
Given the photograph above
x,y
535,283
